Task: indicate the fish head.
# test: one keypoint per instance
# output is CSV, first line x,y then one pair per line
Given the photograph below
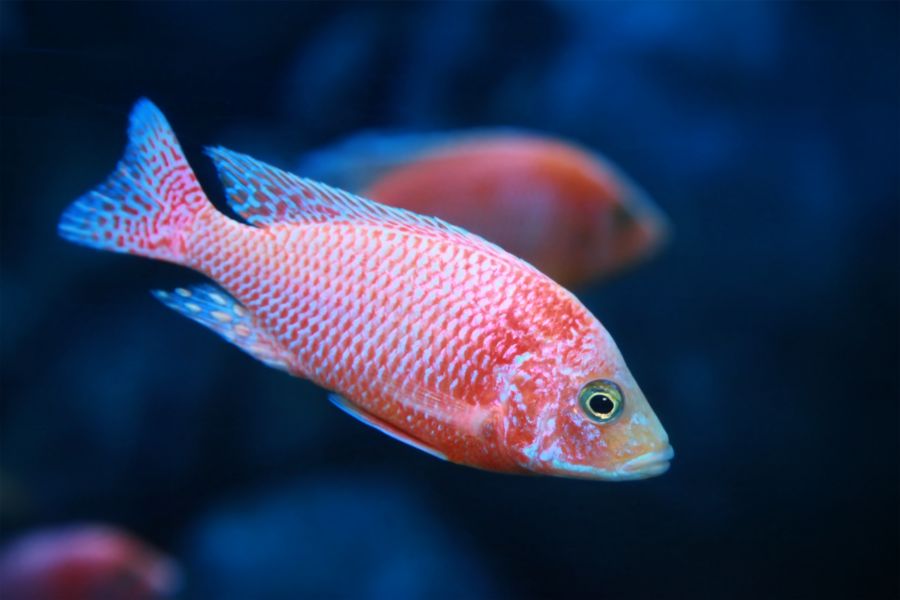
x,y
590,422
620,226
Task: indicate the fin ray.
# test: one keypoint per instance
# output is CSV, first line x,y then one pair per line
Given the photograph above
x,y
146,205
266,196
214,308
386,428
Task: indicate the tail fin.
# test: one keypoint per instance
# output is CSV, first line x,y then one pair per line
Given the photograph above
x,y
147,206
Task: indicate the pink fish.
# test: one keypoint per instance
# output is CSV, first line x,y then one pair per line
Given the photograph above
x,y
425,331
82,562
567,211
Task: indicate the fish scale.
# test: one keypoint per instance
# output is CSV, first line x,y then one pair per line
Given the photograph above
x,y
433,335
316,351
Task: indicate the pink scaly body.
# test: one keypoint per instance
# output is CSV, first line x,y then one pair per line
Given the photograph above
x,y
385,317
431,334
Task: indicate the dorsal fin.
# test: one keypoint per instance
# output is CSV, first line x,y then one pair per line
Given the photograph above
x,y
267,196
355,162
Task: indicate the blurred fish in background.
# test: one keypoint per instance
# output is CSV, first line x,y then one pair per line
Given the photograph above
x,y
87,561
567,211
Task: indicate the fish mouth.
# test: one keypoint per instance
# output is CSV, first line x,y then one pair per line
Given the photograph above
x,y
648,465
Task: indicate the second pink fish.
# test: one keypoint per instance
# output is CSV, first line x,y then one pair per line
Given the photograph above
x,y
568,212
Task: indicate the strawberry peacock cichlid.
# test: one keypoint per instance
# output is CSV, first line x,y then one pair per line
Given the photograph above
x,y
568,211
423,330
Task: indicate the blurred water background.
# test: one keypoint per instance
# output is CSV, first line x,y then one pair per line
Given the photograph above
x,y
765,336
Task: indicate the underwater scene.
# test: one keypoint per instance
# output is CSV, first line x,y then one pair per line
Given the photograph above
x,y
449,300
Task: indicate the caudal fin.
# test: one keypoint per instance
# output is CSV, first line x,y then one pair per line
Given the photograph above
x,y
148,204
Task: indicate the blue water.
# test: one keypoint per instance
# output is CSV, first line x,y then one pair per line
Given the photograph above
x,y
765,336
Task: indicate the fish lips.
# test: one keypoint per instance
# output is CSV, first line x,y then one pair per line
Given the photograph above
x,y
647,465
644,466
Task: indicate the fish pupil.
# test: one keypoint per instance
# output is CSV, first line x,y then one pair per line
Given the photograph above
x,y
601,404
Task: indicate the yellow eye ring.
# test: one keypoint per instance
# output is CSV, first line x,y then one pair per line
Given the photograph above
x,y
601,401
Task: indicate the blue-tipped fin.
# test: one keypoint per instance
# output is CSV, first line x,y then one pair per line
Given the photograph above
x,y
386,428
266,196
210,306
148,203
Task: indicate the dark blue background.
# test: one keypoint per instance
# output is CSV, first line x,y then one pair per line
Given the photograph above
x,y
766,336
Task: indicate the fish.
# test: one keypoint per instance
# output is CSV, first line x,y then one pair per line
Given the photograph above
x,y
84,561
418,328
568,211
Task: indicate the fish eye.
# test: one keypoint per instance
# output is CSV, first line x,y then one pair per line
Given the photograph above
x,y
621,215
601,400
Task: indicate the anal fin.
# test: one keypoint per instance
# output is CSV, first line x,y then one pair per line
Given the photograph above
x,y
369,419
210,306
